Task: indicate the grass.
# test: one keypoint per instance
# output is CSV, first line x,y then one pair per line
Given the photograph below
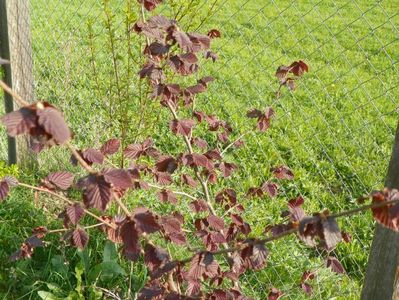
x,y
335,132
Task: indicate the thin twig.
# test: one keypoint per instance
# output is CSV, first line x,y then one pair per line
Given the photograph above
x,y
79,158
66,200
17,98
66,229
244,244
122,205
232,143
174,192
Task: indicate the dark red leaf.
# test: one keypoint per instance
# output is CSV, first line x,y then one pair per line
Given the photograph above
x,y
196,268
97,191
295,209
20,121
274,294
332,234
197,160
199,115
54,124
200,143
156,49
145,220
214,33
199,206
92,156
182,127
183,40
178,238
307,275
193,287
4,189
255,256
187,179
34,241
75,212
334,264
211,55
270,188
62,180
254,113
130,239
298,68
387,215
282,172
79,238
346,237
199,42
184,64
166,163
155,257
110,147
163,178
151,293
307,288
150,4
213,154
133,151
119,178
167,196
227,168
216,222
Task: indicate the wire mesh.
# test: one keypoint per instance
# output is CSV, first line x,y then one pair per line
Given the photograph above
x,y
335,131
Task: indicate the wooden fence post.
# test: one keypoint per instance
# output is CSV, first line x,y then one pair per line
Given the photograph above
x,y
382,276
15,45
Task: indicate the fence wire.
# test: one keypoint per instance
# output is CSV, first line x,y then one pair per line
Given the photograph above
x,y
335,131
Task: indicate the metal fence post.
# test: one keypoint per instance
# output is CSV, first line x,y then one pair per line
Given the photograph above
x,y
382,276
15,43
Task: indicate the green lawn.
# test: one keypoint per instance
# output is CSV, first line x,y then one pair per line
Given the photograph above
x,y
335,131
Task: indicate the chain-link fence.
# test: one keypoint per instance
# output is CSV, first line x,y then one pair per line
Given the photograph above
x,y
335,131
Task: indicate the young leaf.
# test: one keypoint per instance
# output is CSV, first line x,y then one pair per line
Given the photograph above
x,y
93,156
331,232
97,192
167,196
54,124
62,180
75,212
150,4
119,178
155,257
334,264
187,179
79,238
166,163
216,222
145,220
282,172
214,33
110,147
4,189
199,206
182,127
275,294
270,188
130,238
227,168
